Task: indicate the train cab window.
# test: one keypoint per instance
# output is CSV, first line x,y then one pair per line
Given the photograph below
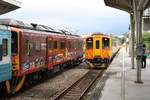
x,y
14,42
62,45
106,42
89,43
49,44
97,44
5,47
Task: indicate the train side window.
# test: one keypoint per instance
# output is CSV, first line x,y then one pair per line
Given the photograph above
x,y
1,53
69,45
89,43
97,44
58,44
55,44
5,47
73,45
38,46
27,46
14,42
62,45
49,44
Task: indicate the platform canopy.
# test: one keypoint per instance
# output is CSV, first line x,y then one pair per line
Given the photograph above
x,y
135,8
127,5
8,5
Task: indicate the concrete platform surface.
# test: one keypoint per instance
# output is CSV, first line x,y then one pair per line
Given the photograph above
x,y
118,82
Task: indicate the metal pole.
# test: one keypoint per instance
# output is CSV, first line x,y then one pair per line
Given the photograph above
x,y
138,31
132,39
139,40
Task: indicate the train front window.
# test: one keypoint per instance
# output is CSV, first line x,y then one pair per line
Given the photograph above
x,y
14,42
106,42
89,43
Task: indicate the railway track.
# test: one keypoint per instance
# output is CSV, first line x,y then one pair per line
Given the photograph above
x,y
80,87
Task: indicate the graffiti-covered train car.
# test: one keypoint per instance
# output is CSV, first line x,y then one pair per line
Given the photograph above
x,y
37,49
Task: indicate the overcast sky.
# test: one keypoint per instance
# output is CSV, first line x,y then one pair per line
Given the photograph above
x,y
84,16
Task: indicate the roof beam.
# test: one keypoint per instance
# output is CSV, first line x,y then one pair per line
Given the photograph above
x,y
125,5
8,5
143,4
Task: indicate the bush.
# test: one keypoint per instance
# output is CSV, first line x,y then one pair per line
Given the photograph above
x,y
146,39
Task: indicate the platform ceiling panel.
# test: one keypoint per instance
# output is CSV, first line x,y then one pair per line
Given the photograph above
x,y
125,5
8,5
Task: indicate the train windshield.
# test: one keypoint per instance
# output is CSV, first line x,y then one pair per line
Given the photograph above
x,y
106,42
89,43
14,42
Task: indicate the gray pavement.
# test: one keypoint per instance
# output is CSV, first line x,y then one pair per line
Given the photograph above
x,y
118,82
118,88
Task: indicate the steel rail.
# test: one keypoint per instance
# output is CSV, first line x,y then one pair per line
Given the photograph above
x,y
80,87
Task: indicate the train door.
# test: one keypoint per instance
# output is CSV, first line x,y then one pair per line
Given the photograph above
x,y
15,51
62,49
25,52
97,46
50,52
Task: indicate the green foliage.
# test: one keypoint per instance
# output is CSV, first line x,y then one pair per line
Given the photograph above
x,y
116,39
146,39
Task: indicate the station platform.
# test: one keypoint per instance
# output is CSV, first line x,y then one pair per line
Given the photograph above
x,y
118,83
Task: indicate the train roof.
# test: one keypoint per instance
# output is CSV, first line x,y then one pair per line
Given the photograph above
x,y
33,26
15,23
3,27
99,33
69,33
45,28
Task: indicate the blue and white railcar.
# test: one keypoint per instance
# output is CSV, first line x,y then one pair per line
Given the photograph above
x,y
5,56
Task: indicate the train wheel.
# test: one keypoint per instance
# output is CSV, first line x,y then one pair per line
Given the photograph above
x,y
17,83
29,81
56,69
